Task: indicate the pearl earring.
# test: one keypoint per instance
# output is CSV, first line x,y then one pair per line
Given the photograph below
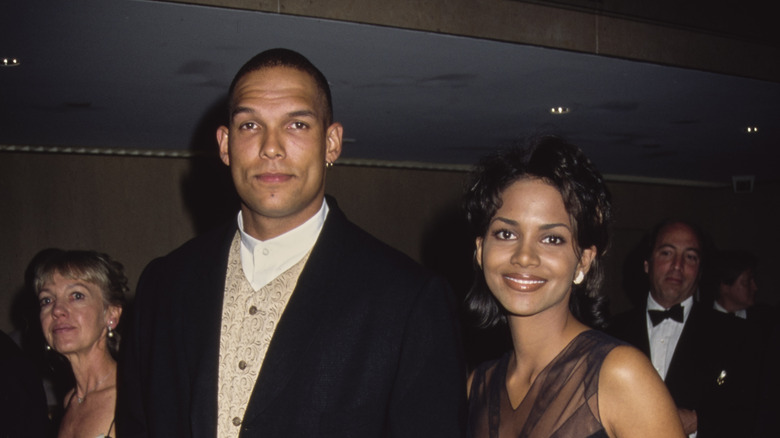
x,y
580,276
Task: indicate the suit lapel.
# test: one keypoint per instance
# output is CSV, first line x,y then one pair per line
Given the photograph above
x,y
683,359
304,313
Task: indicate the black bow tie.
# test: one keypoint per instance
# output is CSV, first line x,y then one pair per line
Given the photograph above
x,y
675,312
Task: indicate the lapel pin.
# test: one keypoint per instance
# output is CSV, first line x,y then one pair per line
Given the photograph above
x,y
721,378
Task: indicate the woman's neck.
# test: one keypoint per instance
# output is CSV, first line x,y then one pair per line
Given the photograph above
x,y
538,339
93,375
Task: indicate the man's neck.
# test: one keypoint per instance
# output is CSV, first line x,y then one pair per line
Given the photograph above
x,y
265,228
728,305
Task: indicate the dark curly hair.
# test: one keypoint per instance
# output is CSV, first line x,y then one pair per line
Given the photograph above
x,y
90,266
585,197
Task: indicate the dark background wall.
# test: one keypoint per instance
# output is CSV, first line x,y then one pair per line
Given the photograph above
x,y
138,208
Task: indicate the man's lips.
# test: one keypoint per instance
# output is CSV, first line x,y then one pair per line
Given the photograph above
x,y
273,178
524,283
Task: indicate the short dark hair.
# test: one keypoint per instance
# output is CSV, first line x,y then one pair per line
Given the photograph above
x,y
290,59
585,197
652,239
729,265
90,266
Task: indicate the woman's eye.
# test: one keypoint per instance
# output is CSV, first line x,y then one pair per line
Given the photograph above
x,y
78,295
44,301
554,240
503,234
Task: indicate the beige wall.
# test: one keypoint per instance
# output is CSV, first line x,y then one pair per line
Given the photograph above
x,y
137,208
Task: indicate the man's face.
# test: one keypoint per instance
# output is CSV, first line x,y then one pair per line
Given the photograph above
x,y
741,294
673,267
276,147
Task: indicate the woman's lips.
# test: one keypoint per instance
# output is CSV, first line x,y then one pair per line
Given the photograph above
x,y
524,283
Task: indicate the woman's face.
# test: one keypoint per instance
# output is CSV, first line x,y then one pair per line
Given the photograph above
x,y
73,316
527,254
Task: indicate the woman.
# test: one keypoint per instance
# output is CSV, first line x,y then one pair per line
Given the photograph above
x,y
540,219
81,294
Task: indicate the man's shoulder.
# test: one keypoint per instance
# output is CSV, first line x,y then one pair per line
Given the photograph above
x,y
349,242
208,244
628,317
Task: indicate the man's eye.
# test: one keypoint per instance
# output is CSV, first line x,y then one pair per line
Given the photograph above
x,y
299,125
247,125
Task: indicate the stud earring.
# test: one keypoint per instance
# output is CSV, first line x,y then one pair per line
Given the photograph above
x,y
48,347
328,164
580,276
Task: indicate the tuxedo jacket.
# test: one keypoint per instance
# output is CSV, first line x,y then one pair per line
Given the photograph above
x,y
368,346
710,371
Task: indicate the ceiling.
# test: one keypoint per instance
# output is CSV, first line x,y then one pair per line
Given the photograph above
x,y
128,76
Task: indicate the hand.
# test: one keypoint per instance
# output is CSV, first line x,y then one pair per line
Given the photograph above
x,y
689,420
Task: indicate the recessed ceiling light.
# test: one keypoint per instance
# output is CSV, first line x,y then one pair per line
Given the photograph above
x,y
751,129
10,62
559,110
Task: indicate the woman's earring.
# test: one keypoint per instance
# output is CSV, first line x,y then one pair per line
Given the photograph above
x,y
580,276
48,347
328,164
110,329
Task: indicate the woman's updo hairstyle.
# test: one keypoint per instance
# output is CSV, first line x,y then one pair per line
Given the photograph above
x,y
585,197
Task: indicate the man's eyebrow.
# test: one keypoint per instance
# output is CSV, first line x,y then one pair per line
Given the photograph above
x,y
669,245
240,110
302,113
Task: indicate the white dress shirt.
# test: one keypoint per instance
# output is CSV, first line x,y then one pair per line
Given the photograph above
x,y
264,260
742,313
664,336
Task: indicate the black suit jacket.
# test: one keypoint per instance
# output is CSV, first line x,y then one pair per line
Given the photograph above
x,y
368,346
710,344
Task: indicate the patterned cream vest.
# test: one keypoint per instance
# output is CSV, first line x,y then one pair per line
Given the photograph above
x,y
249,319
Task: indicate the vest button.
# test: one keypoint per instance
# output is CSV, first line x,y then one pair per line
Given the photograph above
x,y
236,421
242,365
252,310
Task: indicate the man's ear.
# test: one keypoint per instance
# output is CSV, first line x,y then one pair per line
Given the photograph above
x,y
647,267
478,251
222,141
333,140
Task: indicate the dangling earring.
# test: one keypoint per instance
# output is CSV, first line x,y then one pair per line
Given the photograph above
x,y
110,329
580,276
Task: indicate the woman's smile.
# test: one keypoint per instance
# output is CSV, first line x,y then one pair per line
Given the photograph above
x,y
524,283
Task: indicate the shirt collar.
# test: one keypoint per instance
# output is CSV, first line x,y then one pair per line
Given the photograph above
x,y
293,244
742,313
687,304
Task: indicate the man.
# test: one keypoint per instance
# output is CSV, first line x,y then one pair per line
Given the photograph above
x,y
697,351
736,288
291,321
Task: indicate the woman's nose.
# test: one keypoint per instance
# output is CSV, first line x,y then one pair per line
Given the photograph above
x,y
525,254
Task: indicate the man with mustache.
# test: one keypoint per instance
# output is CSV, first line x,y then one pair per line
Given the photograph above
x,y
700,353
290,321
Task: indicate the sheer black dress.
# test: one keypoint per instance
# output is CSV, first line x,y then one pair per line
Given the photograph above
x,y
562,401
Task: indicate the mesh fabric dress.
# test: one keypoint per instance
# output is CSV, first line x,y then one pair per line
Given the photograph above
x,y
562,401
